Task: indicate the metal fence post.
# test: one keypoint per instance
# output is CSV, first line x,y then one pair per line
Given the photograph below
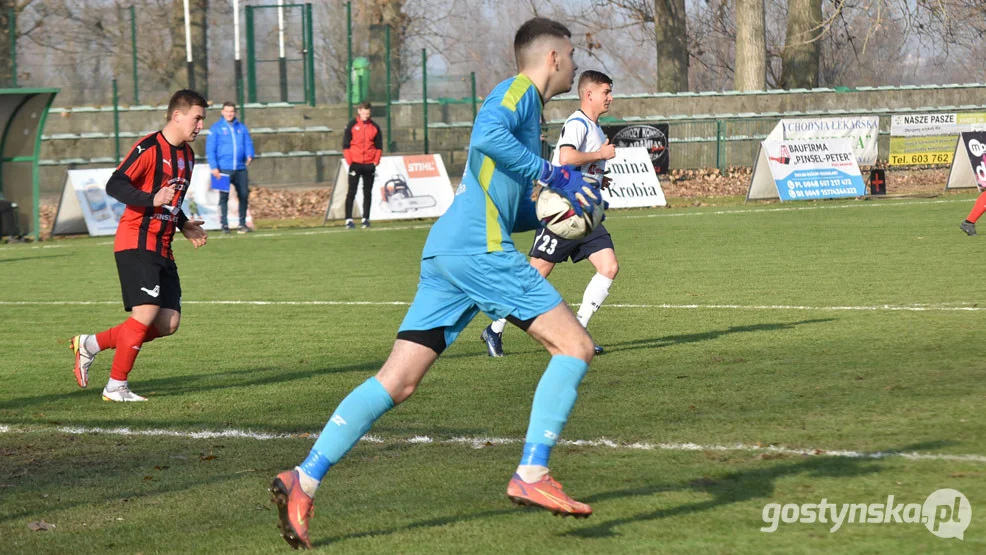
x,y
12,29
133,52
310,59
424,92
251,56
719,146
472,81
116,122
390,139
349,58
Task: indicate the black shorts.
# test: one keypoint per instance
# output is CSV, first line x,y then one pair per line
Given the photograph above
x,y
552,248
148,278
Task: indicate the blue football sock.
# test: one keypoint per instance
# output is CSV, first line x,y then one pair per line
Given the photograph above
x,y
553,401
351,420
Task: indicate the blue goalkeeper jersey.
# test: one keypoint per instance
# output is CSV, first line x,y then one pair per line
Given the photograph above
x,y
494,198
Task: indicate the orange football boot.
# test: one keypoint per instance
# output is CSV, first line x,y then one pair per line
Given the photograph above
x,y
547,494
294,508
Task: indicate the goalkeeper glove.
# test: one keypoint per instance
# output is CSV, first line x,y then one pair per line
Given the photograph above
x,y
582,192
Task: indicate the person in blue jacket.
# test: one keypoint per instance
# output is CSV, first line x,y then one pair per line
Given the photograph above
x,y
229,149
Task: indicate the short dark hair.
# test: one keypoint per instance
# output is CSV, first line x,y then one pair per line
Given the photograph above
x,y
595,77
365,105
229,103
533,29
185,99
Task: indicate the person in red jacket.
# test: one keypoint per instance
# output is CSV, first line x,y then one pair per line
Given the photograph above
x,y
362,146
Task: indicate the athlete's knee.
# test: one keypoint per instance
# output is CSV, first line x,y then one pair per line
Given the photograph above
x,y
609,269
577,345
168,325
584,348
167,328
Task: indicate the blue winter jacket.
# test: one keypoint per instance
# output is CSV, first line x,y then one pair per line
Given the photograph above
x,y
228,145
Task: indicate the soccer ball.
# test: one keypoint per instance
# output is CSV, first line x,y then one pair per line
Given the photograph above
x,y
558,216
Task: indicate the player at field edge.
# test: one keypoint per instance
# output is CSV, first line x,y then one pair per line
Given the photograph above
x,y
583,144
470,264
969,224
152,182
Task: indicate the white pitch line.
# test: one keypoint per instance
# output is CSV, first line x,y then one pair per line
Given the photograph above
x,y
784,209
940,307
621,216
481,442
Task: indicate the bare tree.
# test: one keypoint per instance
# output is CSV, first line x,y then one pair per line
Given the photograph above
x,y
751,46
671,29
801,44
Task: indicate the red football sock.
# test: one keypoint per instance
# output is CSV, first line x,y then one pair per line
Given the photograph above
x,y
107,339
129,338
151,334
978,208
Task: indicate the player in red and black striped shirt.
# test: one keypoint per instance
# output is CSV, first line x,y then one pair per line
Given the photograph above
x,y
152,182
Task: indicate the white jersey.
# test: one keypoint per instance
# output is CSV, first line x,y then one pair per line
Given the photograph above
x,y
584,135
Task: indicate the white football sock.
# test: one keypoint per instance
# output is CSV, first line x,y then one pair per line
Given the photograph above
x,y
498,325
595,293
113,385
308,484
531,473
91,345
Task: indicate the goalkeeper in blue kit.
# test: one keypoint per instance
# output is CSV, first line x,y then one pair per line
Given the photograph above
x,y
470,264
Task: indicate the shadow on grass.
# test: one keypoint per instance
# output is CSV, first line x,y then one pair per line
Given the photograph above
x,y
39,257
708,336
736,487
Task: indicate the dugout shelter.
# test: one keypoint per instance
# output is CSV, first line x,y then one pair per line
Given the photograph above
x,y
22,118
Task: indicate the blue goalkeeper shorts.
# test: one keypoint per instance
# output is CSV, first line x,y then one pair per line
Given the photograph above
x,y
454,288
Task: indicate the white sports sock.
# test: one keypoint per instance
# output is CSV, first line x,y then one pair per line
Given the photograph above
x,y
91,345
349,220
113,385
595,293
308,484
498,325
531,473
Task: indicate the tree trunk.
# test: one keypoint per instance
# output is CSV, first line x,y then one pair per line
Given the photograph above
x,y
672,45
751,46
801,46
6,56
381,14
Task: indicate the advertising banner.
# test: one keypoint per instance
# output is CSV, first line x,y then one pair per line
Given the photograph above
x,y
633,182
806,171
652,137
923,139
405,187
969,162
864,133
86,208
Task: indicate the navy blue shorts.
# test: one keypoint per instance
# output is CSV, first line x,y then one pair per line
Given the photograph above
x,y
552,248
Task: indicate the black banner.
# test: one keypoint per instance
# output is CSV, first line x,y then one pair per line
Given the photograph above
x,y
878,182
653,137
975,148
